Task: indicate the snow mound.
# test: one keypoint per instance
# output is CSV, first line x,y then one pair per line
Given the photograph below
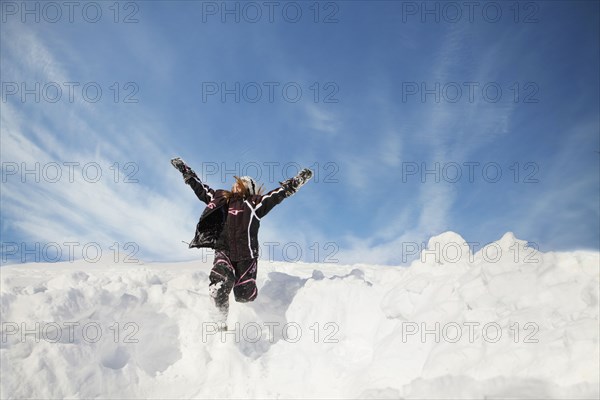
x,y
501,321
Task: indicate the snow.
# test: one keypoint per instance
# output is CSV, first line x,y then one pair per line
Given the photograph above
x,y
506,321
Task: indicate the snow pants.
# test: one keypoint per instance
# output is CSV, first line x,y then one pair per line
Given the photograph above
x,y
227,275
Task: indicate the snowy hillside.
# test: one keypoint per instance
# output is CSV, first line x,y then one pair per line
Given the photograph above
x,y
504,322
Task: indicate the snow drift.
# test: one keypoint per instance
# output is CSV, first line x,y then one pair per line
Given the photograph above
x,y
503,322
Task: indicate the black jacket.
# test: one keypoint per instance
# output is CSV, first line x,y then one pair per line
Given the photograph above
x,y
232,225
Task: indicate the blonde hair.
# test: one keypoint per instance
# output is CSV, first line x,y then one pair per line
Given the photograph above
x,y
242,191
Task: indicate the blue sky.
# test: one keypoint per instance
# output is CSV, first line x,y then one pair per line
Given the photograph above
x,y
388,76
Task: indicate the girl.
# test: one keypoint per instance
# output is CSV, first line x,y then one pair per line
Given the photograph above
x,y
229,225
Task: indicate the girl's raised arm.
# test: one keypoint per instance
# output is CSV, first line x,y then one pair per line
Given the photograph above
x,y
276,196
202,190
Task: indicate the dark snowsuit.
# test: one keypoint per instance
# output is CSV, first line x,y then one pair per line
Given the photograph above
x,y
230,226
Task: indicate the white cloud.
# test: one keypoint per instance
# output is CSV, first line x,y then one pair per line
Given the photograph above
x,y
390,149
76,209
447,132
322,120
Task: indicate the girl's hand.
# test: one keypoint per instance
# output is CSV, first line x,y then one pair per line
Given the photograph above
x,y
182,167
292,185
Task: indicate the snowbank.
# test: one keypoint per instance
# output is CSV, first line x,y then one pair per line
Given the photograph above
x,y
506,321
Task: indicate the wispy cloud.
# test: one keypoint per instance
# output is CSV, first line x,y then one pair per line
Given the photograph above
x,y
38,207
450,132
322,120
